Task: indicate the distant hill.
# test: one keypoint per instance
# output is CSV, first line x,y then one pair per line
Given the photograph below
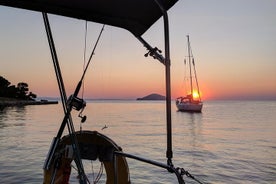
x,y
152,96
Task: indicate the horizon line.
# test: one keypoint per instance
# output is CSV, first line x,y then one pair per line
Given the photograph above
x,y
247,98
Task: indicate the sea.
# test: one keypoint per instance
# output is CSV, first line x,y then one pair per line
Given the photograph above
x,y
229,142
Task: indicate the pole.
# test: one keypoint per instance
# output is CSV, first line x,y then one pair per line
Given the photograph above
x,y
67,111
189,56
169,153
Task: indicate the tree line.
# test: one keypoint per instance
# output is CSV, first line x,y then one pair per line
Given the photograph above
x,y
21,91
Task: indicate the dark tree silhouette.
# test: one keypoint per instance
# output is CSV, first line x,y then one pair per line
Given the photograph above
x,y
32,95
12,92
20,92
4,83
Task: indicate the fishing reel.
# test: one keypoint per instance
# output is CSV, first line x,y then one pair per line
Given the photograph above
x,y
153,52
156,54
77,104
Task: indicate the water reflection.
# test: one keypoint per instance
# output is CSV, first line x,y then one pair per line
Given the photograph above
x,y
194,125
222,143
12,116
190,126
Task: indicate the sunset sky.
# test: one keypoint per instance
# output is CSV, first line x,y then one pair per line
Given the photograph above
x,y
233,42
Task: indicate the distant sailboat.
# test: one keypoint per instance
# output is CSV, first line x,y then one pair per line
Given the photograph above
x,y
192,101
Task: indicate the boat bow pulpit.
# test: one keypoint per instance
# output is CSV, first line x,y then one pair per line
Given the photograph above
x,y
137,16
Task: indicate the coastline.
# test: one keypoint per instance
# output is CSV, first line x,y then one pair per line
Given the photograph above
x,y
7,102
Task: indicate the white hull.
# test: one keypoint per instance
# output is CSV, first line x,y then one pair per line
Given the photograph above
x,y
189,107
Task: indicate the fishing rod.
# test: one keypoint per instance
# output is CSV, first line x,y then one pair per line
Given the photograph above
x,y
74,101
52,157
68,105
79,104
89,60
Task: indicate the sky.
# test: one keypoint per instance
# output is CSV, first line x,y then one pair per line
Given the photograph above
x,y
233,42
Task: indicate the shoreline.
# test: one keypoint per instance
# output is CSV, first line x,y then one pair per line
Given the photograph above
x,y
8,102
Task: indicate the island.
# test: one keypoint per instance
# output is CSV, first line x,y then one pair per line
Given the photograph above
x,y
153,96
18,95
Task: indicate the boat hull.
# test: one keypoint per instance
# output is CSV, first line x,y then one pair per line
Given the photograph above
x,y
189,107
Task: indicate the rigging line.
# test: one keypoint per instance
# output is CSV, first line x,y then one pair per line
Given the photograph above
x,y
197,83
184,78
73,135
93,51
84,53
190,55
86,67
195,71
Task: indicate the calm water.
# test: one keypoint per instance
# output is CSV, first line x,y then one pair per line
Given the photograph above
x,y
229,142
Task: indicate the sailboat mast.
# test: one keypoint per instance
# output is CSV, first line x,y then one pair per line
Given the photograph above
x,y
193,61
196,82
190,67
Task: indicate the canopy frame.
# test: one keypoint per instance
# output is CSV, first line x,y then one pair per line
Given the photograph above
x,y
136,16
163,6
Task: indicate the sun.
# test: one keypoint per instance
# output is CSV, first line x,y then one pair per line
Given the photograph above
x,y
195,95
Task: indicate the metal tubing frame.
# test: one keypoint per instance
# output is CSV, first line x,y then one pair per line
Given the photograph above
x,y
67,111
167,62
170,168
169,152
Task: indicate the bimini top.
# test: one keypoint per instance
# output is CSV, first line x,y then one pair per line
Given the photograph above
x,y
137,16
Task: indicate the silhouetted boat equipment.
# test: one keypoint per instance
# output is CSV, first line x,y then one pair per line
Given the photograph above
x,y
137,16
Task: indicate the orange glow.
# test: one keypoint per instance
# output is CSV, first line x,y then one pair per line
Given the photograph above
x,y
195,94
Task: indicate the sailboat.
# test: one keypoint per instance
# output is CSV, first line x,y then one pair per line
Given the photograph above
x,y
192,101
136,16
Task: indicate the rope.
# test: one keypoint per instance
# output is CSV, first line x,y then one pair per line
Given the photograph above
x,y
77,170
100,173
93,177
183,172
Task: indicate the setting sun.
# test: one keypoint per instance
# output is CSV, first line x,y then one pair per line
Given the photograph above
x,y
195,94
